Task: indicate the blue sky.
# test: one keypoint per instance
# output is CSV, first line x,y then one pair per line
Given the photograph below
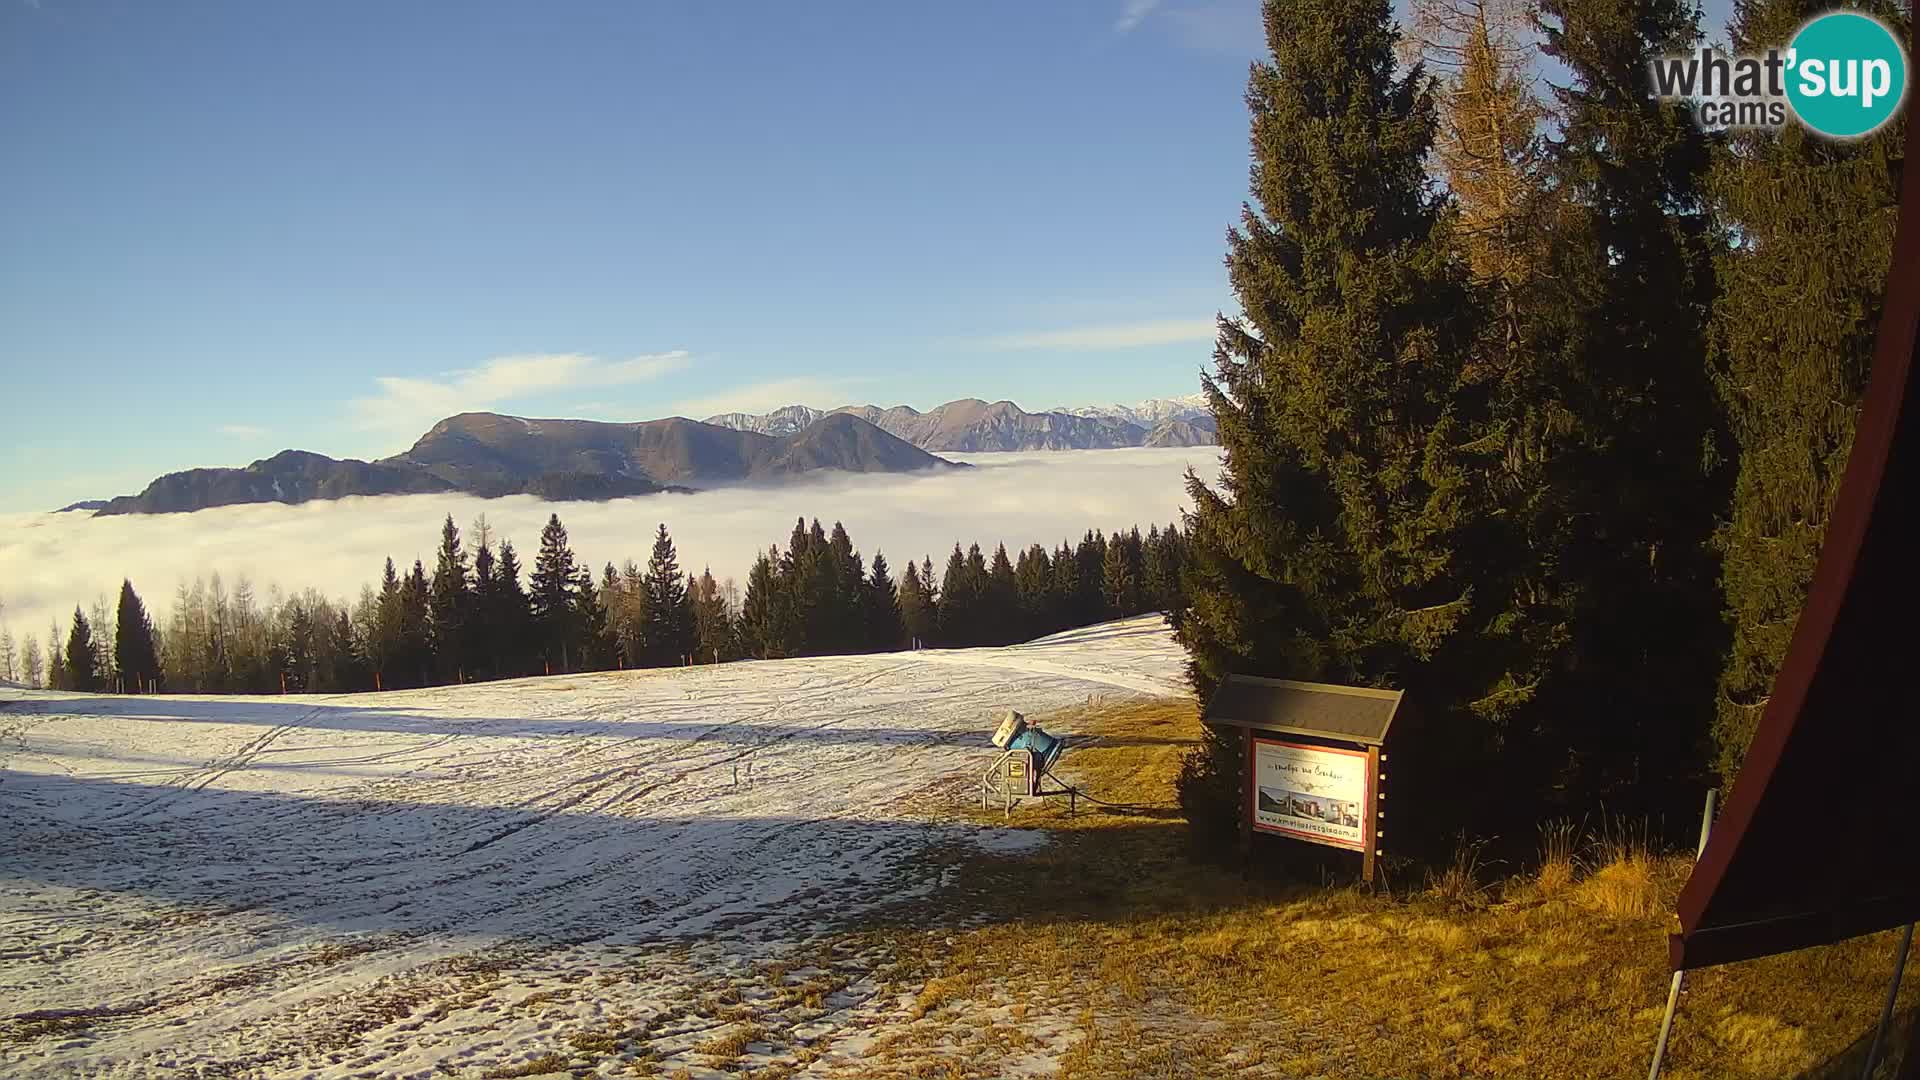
x,y
232,228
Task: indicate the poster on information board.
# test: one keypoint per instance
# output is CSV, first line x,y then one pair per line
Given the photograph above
x,y
1315,793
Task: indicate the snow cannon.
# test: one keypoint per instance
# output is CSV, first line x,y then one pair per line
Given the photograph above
x,y
1027,758
1014,733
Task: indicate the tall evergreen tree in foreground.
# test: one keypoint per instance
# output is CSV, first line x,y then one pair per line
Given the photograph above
x,y
82,670
1792,339
1332,549
134,653
1638,478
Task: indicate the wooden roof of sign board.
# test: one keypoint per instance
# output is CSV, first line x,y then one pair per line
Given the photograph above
x,y
1351,713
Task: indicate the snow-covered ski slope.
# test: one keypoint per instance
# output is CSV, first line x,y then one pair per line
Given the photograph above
x,y
366,884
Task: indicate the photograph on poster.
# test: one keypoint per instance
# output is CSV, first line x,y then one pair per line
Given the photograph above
x,y
1310,792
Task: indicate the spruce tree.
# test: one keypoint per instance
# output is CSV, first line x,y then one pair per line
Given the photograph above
x,y
916,610
881,605
670,624
760,631
82,672
1119,580
1033,592
1331,551
451,607
482,633
384,642
552,598
1000,601
416,629
1792,338
135,655
1636,477
712,623
512,630
959,607
591,616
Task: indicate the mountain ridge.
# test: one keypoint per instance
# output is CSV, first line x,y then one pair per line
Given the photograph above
x,y
971,425
492,455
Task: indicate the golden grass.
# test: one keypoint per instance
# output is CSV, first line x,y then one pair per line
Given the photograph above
x,y
547,1063
1185,969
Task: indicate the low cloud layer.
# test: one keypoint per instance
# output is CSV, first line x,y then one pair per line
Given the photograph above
x,y
50,562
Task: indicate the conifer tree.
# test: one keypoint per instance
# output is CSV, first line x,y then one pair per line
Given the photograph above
x,y
881,603
450,607
552,597
384,643
959,606
1636,479
1119,580
135,655
1792,338
82,671
1000,600
760,630
482,648
713,623
1033,591
416,630
1330,550
511,616
670,629
590,615
916,610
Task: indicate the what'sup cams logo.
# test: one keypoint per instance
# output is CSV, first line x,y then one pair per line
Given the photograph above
x,y
1843,75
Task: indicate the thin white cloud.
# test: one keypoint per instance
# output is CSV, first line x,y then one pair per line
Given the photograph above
x,y
241,431
1232,27
1133,14
1115,336
50,562
767,396
408,403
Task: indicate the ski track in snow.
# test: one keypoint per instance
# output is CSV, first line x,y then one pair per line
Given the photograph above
x,y
374,884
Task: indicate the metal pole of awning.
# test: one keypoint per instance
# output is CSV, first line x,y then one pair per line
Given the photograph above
x,y
1673,989
1886,1011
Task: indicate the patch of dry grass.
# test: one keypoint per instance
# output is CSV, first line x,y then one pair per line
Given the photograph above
x,y
1186,969
546,1063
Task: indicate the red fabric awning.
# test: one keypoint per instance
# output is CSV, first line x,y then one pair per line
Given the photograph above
x,y
1818,840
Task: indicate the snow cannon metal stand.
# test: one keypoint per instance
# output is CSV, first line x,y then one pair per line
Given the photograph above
x,y
1024,766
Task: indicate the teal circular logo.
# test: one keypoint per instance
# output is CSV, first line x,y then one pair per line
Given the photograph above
x,y
1847,74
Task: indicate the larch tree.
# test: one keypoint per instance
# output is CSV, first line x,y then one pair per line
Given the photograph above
x,y
33,664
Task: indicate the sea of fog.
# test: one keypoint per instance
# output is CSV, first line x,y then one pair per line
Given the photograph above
x,y
51,562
